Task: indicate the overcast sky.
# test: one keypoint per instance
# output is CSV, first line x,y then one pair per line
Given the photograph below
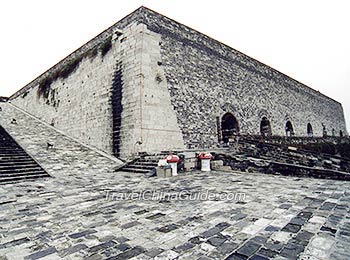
x,y
308,40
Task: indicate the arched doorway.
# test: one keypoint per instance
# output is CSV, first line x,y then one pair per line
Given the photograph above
x,y
310,132
341,133
229,127
289,129
324,131
265,127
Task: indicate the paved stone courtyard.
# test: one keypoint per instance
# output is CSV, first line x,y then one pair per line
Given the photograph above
x,y
72,219
69,216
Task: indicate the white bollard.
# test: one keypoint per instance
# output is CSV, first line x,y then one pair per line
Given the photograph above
x,y
205,165
172,160
205,161
173,166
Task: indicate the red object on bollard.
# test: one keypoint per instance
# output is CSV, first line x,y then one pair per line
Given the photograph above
x,y
172,158
204,155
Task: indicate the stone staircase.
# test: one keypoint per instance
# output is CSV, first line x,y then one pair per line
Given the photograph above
x,y
68,161
15,163
145,163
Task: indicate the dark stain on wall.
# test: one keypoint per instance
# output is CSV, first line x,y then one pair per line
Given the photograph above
x,y
117,86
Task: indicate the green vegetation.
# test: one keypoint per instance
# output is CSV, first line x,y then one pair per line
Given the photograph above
x,y
106,46
71,66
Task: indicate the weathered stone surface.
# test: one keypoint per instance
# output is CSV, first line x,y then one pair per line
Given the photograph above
x,y
293,228
41,254
248,249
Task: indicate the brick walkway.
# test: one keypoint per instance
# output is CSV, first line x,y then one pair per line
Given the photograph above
x,y
69,217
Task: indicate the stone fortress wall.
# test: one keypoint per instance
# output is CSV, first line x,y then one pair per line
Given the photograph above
x,y
114,99
206,79
80,103
161,85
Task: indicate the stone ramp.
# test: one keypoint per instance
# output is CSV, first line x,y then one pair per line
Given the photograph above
x,y
66,158
15,163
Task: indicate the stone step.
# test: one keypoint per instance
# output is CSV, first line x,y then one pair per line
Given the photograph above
x,y
22,177
135,170
16,174
154,156
151,163
20,169
16,166
17,163
141,166
14,158
10,149
12,154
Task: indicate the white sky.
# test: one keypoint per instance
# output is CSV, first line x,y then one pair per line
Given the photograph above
x,y
308,40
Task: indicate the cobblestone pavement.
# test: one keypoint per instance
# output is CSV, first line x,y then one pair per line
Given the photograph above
x,y
69,216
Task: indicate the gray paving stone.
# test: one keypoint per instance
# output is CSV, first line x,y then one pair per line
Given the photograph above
x,y
274,246
298,221
239,216
227,247
210,232
303,237
293,228
327,206
82,234
121,239
328,229
236,256
15,242
196,240
258,257
259,239
130,225
135,251
155,216
102,246
248,249
140,212
41,254
272,228
184,247
168,228
153,252
292,250
217,240
285,206
94,257
267,253
73,249
123,247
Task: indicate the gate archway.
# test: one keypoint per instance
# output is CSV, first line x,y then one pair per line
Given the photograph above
x,y
265,127
310,132
229,127
289,129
